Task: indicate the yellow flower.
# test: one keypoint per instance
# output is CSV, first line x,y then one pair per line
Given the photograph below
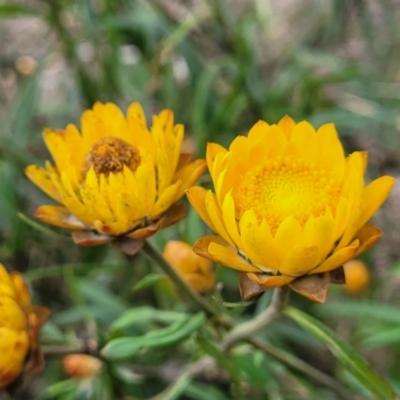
x,y
117,178
289,207
20,324
196,271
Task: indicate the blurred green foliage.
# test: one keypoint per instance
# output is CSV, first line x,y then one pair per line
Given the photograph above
x,y
220,65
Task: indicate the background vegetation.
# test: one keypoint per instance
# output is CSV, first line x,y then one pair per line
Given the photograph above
x,y
220,65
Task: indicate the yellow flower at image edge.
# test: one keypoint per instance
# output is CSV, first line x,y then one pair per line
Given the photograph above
x,y
20,324
289,208
116,180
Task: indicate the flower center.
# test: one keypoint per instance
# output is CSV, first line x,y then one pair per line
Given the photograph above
x,y
283,187
109,155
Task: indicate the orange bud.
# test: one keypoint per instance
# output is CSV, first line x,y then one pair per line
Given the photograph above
x,y
81,366
357,276
196,271
26,65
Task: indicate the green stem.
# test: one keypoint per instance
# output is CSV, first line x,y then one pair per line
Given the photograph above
x,y
301,366
153,254
249,328
243,331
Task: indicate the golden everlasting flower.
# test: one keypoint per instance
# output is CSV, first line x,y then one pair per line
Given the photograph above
x,y
288,207
117,178
20,324
196,271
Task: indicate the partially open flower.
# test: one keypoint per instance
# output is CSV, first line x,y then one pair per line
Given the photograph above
x,y
116,180
288,207
196,271
20,324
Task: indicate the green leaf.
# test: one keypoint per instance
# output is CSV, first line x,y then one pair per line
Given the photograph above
x,y
126,347
362,309
349,358
10,10
140,315
385,337
198,391
148,280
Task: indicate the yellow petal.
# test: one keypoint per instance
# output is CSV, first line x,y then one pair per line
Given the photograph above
x,y
214,150
338,258
276,143
254,244
215,215
229,257
189,174
342,216
167,198
374,195
6,286
330,151
288,235
216,249
93,199
21,289
318,231
287,124
59,216
146,183
43,179
197,198
228,215
351,229
139,134
300,260
368,235
305,138
55,143
258,131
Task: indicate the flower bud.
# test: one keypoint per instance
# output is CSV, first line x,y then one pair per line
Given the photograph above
x,y
357,276
81,366
196,271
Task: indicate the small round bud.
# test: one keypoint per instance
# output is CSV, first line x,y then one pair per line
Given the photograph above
x,y
81,366
357,276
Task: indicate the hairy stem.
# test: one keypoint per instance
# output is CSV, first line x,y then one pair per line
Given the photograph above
x,y
249,328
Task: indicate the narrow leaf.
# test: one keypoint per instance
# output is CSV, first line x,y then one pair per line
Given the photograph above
x,y
126,347
147,281
349,358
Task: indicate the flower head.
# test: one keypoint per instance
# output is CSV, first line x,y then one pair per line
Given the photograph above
x,y
196,271
115,178
289,208
20,324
